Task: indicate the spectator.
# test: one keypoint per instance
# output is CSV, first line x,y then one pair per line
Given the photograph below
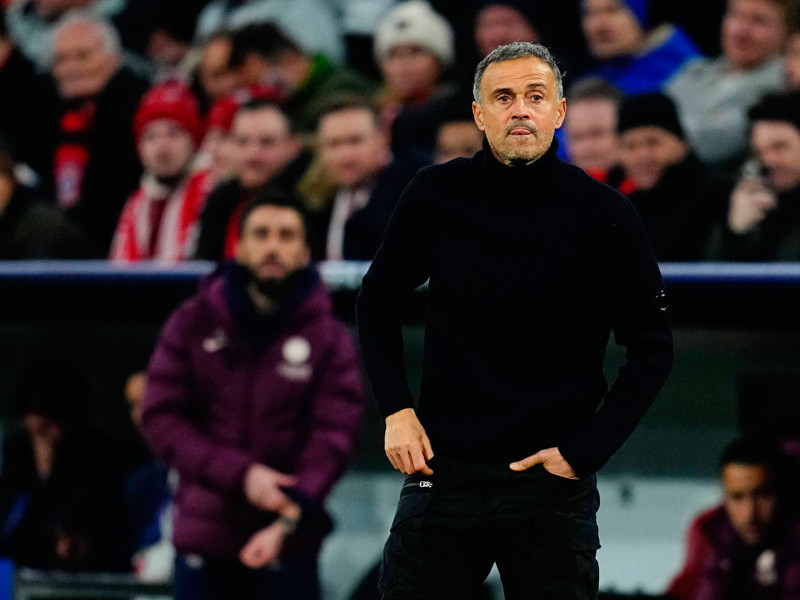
x,y
266,152
26,107
148,500
320,34
159,220
499,23
215,76
792,64
264,54
748,547
168,39
633,56
254,396
678,200
457,136
95,165
31,22
414,50
60,504
217,153
763,220
551,22
713,94
591,129
31,228
354,154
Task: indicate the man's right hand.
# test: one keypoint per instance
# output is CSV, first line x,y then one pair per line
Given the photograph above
x,y
262,487
406,443
751,200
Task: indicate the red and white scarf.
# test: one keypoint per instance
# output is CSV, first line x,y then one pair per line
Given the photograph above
x,y
147,231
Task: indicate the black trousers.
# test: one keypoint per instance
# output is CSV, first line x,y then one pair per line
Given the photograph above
x,y
452,527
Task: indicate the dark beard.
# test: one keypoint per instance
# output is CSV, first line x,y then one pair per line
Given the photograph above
x,y
274,289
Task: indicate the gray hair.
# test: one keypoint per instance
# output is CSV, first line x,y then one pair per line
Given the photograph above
x,y
513,51
107,32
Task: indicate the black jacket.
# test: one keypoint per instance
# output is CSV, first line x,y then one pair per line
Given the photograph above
x,y
33,229
681,210
226,201
113,170
530,268
776,238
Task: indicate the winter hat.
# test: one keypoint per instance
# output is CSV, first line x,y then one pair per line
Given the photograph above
x,y
777,107
224,111
649,110
169,100
640,10
416,23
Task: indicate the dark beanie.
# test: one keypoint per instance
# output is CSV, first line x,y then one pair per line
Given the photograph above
x,y
777,107
649,110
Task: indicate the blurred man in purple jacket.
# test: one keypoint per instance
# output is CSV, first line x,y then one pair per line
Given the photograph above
x,y
255,397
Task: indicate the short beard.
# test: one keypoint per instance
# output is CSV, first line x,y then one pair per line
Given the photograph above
x,y
272,288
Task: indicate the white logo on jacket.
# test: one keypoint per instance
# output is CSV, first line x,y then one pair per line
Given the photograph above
x,y
296,352
216,341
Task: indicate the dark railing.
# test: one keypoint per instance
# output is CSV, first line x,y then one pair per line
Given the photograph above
x,y
701,294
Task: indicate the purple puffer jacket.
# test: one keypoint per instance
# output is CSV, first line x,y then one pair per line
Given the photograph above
x,y
216,405
713,554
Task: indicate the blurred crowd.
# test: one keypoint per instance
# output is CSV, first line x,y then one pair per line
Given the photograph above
x,y
144,130
137,130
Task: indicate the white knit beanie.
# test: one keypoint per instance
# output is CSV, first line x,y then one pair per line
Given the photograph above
x,y
415,23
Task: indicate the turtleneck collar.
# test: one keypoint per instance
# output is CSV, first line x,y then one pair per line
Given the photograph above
x,y
542,165
500,177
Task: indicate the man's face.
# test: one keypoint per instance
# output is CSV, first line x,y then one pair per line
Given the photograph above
x,y
592,133
263,144
520,109
410,71
457,138
752,32
351,146
792,64
272,245
647,152
750,500
610,28
777,145
82,65
165,149
500,24
217,78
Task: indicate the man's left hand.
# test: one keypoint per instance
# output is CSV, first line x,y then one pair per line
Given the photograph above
x,y
550,459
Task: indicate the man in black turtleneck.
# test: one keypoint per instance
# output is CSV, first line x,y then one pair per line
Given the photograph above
x,y
531,264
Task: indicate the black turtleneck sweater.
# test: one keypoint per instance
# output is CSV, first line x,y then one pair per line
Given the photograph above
x,y
530,268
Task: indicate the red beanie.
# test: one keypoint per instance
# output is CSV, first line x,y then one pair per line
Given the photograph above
x,y
224,111
169,100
